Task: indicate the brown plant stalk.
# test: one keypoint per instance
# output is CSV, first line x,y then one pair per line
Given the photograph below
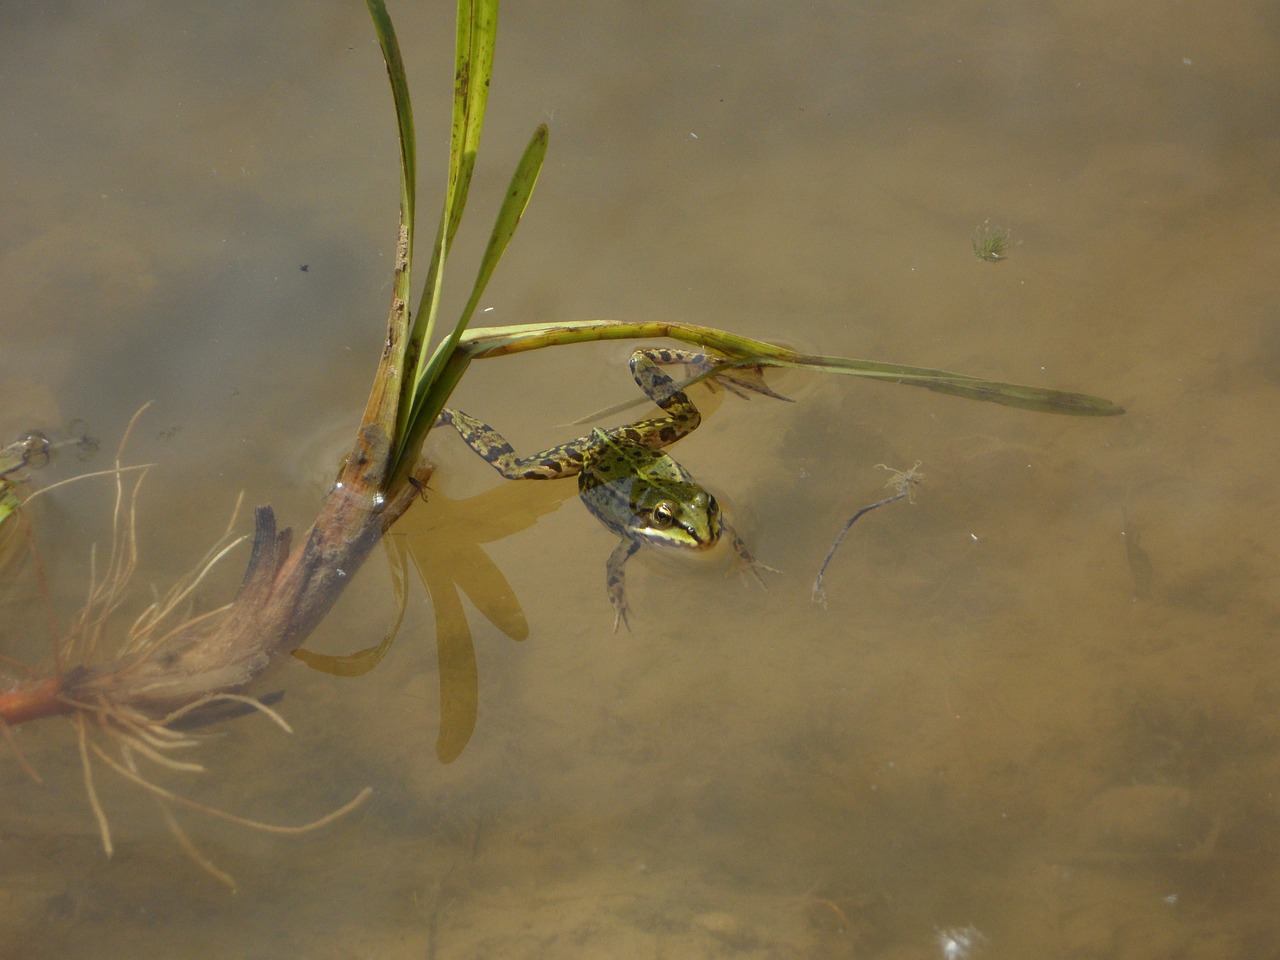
x,y
284,595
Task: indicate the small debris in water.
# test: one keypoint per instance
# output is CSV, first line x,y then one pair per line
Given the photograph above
x,y
990,243
959,943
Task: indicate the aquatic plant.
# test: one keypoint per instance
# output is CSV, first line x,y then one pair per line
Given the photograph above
x,y
141,694
990,242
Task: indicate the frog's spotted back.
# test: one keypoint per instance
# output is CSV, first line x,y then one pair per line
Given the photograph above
x,y
644,494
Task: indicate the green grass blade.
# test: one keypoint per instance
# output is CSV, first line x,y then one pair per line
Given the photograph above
x,y
478,38
514,203
500,341
424,410
473,67
388,399
448,368
404,119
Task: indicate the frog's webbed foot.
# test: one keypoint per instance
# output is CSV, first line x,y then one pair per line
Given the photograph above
x,y
741,380
620,616
615,579
744,381
755,568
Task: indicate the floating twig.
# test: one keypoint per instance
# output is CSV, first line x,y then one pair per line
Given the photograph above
x,y
905,482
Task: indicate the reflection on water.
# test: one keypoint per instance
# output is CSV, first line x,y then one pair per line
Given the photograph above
x,y
1041,704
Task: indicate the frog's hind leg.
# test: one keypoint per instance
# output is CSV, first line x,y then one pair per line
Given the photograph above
x,y
682,417
562,461
615,579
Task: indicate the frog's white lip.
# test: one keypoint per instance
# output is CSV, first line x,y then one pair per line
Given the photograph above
x,y
662,538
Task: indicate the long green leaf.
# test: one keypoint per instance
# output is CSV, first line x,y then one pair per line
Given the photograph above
x,y
473,68
514,204
404,121
481,29
500,341
387,399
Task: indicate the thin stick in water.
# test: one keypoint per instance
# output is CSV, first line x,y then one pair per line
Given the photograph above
x,y
905,482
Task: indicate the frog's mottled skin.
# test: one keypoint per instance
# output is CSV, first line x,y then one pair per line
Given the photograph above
x,y
624,479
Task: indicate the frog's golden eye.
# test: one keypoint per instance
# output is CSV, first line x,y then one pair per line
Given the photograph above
x,y
664,515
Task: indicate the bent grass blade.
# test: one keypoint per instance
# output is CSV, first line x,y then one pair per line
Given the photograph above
x,y
486,342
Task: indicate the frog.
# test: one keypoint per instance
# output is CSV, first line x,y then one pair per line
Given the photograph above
x,y
625,479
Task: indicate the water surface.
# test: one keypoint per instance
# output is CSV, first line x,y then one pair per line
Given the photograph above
x,y
1041,702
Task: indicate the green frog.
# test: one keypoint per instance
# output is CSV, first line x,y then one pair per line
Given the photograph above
x,y
624,478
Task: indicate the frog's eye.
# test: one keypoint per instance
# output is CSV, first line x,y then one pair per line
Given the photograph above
x,y
664,515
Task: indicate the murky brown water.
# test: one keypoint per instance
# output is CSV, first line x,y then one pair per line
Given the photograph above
x,y
1043,702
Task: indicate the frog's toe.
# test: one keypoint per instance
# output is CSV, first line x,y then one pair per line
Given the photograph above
x,y
744,381
756,568
621,615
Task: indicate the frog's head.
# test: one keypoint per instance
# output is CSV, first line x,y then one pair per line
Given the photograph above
x,y
675,514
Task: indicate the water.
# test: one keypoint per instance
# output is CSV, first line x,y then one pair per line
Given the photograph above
x,y
1041,702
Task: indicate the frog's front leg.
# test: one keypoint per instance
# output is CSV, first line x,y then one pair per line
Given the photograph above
x,y
615,575
743,552
615,578
562,461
